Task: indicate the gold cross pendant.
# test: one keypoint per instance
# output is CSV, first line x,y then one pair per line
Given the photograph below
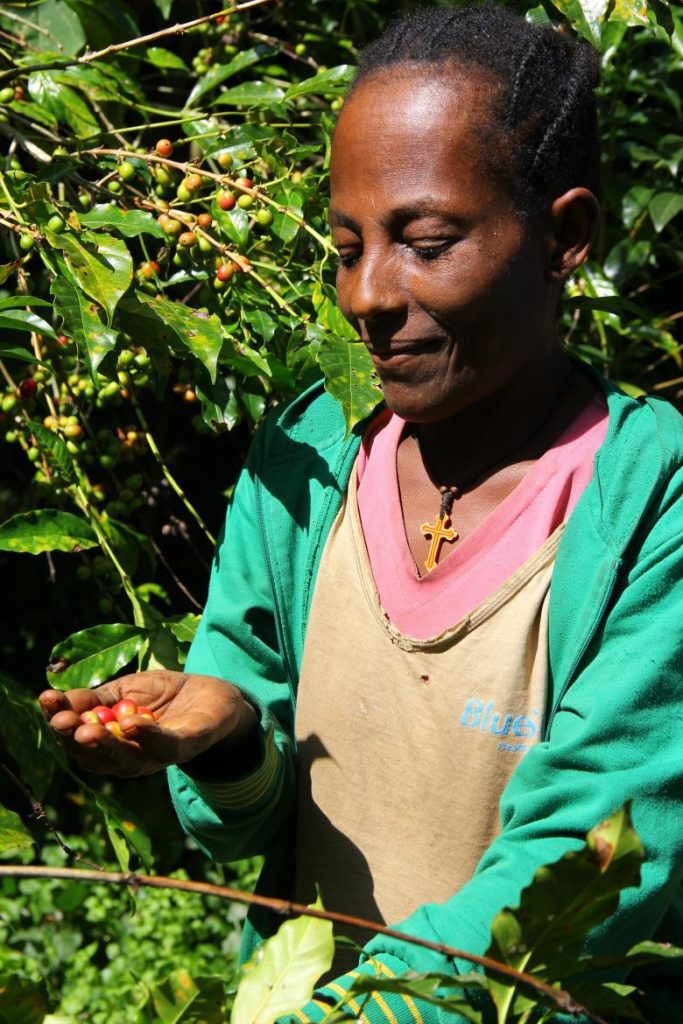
x,y
439,532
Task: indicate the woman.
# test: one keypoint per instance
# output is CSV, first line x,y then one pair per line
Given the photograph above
x,y
383,602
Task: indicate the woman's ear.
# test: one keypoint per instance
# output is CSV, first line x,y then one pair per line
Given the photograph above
x,y
574,220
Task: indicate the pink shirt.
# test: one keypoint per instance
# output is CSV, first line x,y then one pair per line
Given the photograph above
x,y
425,606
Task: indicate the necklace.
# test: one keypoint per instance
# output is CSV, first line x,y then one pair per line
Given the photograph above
x,y
442,529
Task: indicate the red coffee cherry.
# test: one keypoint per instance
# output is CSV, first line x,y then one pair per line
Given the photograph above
x,y
226,200
225,271
28,388
164,147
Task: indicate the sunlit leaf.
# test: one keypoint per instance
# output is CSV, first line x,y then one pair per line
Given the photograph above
x,y
23,320
284,973
332,82
182,999
251,94
199,332
219,73
103,267
348,371
95,654
46,529
81,321
13,833
129,223
664,207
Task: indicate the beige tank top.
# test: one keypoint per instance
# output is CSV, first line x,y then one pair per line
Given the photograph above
x,y
405,745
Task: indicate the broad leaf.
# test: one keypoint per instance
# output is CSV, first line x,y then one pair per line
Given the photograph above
x,y
94,655
251,94
283,226
332,82
125,836
103,268
13,833
348,372
183,627
235,223
46,529
161,57
26,738
10,351
55,451
664,207
22,320
63,102
21,1001
199,332
182,999
80,321
283,975
129,223
562,904
219,73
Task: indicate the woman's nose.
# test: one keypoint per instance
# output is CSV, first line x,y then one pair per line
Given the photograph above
x,y
377,289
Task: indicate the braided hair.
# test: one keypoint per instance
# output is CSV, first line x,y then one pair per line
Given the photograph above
x,y
544,107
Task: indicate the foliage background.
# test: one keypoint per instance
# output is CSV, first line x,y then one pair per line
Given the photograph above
x,y
131,375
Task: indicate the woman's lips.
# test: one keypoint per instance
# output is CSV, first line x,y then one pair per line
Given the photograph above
x,y
398,350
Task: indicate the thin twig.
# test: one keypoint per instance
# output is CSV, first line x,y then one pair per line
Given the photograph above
x,y
88,58
286,907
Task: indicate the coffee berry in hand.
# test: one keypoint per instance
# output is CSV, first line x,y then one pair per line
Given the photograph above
x,y
111,718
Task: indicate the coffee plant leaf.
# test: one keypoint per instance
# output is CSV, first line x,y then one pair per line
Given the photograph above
x,y
664,207
251,94
46,529
54,450
13,833
332,82
182,999
23,320
125,835
183,627
564,901
22,1001
219,73
235,223
94,655
10,351
286,228
129,223
349,377
81,321
162,58
434,989
26,738
610,1000
199,332
219,404
63,102
282,975
103,267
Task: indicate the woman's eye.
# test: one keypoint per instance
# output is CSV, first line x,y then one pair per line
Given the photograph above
x,y
347,257
430,251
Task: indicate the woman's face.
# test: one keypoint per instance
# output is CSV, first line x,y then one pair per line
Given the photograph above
x,y
448,287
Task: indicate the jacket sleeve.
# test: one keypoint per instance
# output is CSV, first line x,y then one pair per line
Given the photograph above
x,y
617,734
237,641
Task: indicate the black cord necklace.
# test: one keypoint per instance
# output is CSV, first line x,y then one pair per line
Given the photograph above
x,y
442,529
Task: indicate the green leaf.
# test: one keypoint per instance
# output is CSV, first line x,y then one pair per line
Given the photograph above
x,y
348,371
283,975
81,322
125,835
10,351
235,223
162,58
562,904
197,331
332,82
251,94
182,999
219,73
26,738
23,320
664,207
95,654
587,16
63,102
431,988
283,226
62,25
13,833
21,1001
129,223
103,268
183,627
46,529
54,449
19,301
218,400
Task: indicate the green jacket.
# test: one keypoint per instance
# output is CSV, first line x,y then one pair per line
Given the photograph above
x,y
613,728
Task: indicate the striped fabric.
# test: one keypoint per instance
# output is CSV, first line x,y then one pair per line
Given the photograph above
x,y
250,791
374,1008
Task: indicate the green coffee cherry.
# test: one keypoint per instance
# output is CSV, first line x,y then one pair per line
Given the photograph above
x,y
56,224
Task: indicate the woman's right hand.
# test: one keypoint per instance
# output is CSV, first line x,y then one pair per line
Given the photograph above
x,y
191,714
